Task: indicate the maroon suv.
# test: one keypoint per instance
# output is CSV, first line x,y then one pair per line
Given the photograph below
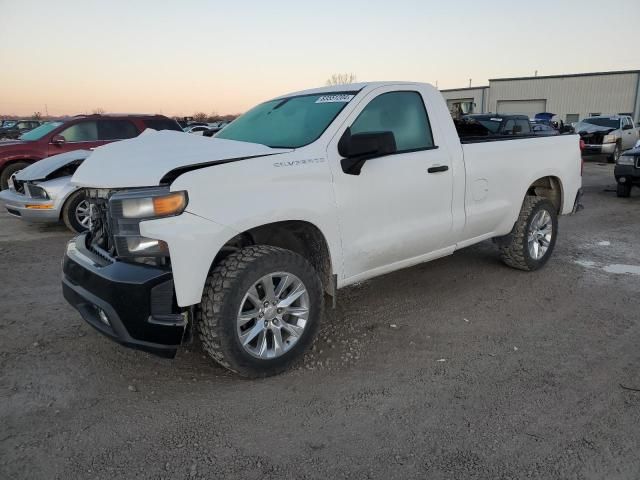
x,y
81,132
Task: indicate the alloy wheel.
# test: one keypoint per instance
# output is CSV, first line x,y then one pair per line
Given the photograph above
x,y
540,234
273,315
82,214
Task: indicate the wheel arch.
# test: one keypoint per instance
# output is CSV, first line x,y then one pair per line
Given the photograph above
x,y
549,187
299,236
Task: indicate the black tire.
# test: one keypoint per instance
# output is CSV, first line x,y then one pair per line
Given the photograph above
x,y
514,250
616,154
623,190
8,171
221,301
68,214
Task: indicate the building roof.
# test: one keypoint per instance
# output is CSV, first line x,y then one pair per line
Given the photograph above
x,y
464,88
568,75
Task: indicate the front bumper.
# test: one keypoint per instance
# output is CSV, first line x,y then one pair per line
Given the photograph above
x,y
603,149
629,174
39,210
133,304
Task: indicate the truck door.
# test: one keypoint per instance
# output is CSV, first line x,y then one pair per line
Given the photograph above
x,y
629,134
399,206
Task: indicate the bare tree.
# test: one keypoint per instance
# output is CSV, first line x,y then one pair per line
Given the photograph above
x,y
200,117
36,115
341,79
98,111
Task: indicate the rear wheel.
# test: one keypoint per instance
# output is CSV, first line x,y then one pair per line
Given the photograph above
x,y
623,190
531,243
260,310
8,171
75,212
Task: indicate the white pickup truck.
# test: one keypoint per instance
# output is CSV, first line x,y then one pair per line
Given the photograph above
x,y
239,237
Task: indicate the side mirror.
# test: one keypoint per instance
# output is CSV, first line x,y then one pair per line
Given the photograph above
x,y
627,127
360,147
58,140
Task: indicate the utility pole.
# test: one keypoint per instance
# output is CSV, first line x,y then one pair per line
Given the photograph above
x,y
469,83
46,110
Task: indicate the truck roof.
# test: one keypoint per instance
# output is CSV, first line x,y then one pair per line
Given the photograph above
x,y
350,87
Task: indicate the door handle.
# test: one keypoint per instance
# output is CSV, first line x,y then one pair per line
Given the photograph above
x,y
441,168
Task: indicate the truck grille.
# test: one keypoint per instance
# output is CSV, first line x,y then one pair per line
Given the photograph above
x,y
594,138
100,238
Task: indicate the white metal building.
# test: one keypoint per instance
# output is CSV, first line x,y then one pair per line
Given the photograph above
x,y
571,97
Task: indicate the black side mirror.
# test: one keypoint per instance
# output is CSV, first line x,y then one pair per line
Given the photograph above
x,y
627,127
58,140
360,147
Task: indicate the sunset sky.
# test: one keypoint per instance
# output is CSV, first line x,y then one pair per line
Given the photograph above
x,y
179,57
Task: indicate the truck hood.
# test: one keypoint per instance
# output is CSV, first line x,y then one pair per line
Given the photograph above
x,y
42,169
154,158
589,128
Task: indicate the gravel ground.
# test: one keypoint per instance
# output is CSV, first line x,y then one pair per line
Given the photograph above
x,y
460,368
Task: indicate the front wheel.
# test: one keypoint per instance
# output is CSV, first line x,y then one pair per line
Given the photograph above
x,y
533,238
623,190
616,154
260,310
75,213
8,171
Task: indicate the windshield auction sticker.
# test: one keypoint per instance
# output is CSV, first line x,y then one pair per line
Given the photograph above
x,y
341,98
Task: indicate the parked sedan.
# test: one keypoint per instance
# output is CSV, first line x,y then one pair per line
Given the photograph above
x,y
15,129
42,192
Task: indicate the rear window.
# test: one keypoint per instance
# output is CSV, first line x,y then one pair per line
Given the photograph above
x,y
116,129
162,124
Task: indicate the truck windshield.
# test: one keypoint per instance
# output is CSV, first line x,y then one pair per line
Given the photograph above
x,y
39,132
290,122
604,122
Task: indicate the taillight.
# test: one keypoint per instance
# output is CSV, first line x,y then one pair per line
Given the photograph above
x,y
581,144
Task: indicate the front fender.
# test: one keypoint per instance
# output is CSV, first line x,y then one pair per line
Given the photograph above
x,y
193,244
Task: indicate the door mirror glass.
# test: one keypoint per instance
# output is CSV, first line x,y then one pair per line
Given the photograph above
x,y
58,140
360,147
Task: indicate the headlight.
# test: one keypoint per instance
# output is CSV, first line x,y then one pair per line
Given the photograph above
x,y
609,139
626,160
37,192
137,246
156,206
129,208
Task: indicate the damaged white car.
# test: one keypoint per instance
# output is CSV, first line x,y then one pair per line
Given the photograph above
x,y
42,192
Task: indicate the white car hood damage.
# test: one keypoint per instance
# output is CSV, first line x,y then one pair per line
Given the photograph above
x,y
144,161
45,167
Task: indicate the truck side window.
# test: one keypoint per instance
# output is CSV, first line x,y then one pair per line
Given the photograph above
x,y
525,126
402,113
81,132
508,127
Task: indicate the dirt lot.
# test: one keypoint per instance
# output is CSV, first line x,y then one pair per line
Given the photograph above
x,y
460,368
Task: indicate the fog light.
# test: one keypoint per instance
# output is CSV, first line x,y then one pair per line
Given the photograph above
x,y
103,317
622,179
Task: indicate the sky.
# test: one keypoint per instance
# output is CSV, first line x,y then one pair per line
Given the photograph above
x,y
224,56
